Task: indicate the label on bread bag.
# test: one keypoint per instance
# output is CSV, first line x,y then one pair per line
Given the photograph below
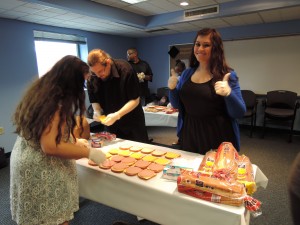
x,y
251,203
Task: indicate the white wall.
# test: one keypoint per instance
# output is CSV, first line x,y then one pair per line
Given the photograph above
x,y
266,64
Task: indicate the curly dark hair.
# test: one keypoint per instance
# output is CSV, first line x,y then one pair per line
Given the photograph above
x,y
61,88
218,65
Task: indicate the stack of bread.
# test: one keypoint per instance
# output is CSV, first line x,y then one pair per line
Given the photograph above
x,y
223,177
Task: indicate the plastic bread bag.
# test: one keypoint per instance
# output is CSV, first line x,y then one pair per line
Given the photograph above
x,y
207,196
104,135
207,163
251,204
216,190
214,185
226,163
245,174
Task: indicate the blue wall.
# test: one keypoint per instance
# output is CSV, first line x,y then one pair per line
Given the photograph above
x,y
155,49
18,65
18,62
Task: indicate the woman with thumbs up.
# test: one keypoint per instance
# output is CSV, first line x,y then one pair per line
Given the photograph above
x,y
208,97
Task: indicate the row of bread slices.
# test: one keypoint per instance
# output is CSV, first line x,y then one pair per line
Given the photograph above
x,y
135,160
139,152
130,166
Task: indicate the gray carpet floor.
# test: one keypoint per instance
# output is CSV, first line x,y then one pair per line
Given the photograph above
x,y
273,155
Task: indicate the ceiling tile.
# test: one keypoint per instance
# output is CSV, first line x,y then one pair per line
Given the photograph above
x,y
290,13
10,4
46,13
26,9
270,16
35,11
33,18
36,6
234,21
70,16
240,20
165,5
149,8
13,14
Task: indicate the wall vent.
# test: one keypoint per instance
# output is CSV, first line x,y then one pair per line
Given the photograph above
x,y
203,11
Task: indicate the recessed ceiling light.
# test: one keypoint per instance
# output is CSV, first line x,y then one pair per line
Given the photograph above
x,y
133,1
184,3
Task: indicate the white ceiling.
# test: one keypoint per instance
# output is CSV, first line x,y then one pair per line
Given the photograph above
x,y
138,20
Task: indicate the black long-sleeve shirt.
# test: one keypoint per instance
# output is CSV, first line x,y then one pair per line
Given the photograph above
x,y
113,93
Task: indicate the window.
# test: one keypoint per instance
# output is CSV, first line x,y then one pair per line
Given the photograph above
x,y
49,52
51,47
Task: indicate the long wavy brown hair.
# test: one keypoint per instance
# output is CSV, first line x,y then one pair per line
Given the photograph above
x,y
218,64
61,88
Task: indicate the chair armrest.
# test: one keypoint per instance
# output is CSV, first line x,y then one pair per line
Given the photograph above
x,y
264,103
296,107
254,109
297,104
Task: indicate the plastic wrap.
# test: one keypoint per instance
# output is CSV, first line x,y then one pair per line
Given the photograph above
x,y
210,197
207,163
98,139
214,185
245,174
217,190
226,164
222,177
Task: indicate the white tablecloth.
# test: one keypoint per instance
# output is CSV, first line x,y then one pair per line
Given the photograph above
x,y
161,119
156,199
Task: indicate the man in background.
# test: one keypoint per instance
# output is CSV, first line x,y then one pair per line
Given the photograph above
x,y
143,71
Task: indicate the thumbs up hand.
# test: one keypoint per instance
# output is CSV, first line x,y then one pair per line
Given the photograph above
x,y
173,80
222,87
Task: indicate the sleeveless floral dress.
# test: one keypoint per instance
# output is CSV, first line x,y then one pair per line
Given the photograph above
x,y
43,189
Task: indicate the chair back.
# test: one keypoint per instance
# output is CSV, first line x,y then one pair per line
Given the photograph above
x,y
281,99
162,91
249,98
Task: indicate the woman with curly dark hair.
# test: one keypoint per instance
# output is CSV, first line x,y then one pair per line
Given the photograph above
x,y
43,182
208,97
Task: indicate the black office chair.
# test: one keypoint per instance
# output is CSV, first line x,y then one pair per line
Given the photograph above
x,y
162,91
281,105
251,105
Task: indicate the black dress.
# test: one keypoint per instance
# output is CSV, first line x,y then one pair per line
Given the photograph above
x,y
206,122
